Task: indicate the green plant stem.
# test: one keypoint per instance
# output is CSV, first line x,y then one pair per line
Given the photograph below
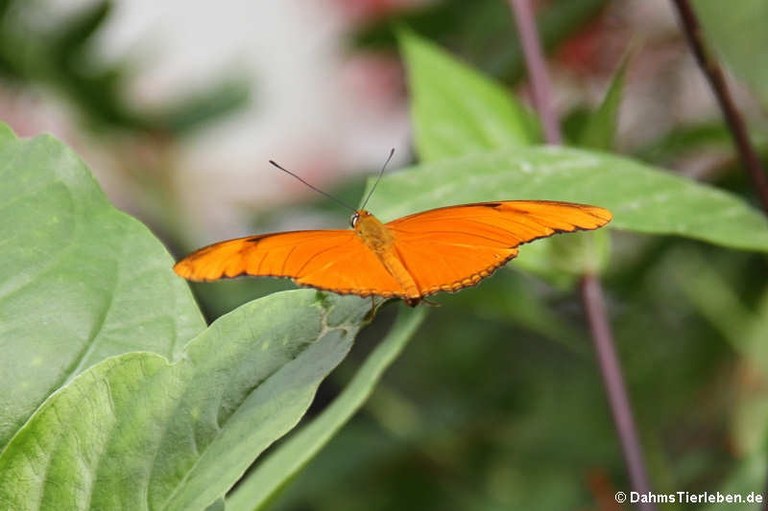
x,y
591,289
716,78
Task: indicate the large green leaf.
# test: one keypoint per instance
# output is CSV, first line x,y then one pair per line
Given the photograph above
x,y
103,405
642,199
455,109
279,468
80,281
738,33
138,432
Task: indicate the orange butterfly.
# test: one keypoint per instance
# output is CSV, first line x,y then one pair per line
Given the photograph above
x,y
443,249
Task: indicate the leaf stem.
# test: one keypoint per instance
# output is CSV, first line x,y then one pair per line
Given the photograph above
x,y
716,78
591,289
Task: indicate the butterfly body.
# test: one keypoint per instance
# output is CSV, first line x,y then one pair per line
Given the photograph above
x,y
443,249
380,240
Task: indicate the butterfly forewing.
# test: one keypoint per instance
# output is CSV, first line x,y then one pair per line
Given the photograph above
x,y
336,260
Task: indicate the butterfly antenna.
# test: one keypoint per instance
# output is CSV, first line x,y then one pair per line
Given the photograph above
x,y
381,173
337,201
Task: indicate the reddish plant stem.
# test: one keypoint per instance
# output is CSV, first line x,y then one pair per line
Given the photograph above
x,y
613,380
541,89
591,289
716,78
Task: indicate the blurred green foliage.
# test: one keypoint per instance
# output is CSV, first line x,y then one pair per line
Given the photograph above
x,y
482,32
64,57
497,404
739,52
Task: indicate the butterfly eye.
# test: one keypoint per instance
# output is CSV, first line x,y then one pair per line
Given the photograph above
x,y
353,219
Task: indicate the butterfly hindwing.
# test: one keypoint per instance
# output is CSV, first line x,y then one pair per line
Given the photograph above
x,y
457,246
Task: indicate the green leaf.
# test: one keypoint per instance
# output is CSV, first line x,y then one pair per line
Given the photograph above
x,y
279,468
6,134
600,129
80,281
218,505
164,426
738,34
137,432
642,199
456,110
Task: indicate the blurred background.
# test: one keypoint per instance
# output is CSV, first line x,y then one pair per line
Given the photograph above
x,y
497,403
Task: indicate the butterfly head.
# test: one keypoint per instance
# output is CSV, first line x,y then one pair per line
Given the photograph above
x,y
356,216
